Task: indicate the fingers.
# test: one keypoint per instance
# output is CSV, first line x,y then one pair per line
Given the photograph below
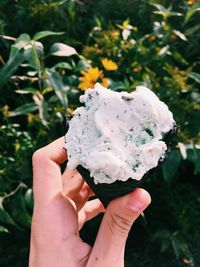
x,y
121,213
47,179
52,212
91,209
75,188
53,151
72,182
83,196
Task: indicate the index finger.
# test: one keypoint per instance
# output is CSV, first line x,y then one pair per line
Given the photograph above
x,y
47,178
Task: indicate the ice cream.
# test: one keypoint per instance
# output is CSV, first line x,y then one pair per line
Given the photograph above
x,y
117,135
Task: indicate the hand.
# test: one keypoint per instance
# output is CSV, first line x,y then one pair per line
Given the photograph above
x,y
61,207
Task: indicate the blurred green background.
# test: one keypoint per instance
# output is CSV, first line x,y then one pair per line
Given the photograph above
x,y
50,52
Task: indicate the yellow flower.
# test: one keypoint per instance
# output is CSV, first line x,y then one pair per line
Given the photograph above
x,y
89,51
137,69
90,77
115,34
30,118
5,111
70,111
186,261
109,64
191,2
17,146
105,82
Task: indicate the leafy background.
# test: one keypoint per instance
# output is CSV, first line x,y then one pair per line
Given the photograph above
x,y
47,48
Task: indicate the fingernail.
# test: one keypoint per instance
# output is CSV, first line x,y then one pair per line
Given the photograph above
x,y
136,205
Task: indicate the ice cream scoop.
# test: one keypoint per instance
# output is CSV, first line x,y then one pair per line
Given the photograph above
x,y
117,137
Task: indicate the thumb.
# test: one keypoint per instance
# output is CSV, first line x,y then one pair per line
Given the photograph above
x,y
110,243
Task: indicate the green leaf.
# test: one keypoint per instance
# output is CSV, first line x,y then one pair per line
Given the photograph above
x,y
191,11
7,37
28,90
164,50
197,163
62,50
56,82
165,244
162,234
42,34
43,108
159,7
192,30
63,65
29,199
15,205
10,67
34,60
183,150
195,76
25,109
170,166
178,57
193,154
82,64
180,35
116,85
23,40
175,246
38,46
33,53
3,229
165,12
16,57
180,246
5,218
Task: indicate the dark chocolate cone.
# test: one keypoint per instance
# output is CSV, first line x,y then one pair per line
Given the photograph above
x,y
107,192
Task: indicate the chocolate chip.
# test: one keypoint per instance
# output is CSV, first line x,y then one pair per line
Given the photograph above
x,y
89,96
127,98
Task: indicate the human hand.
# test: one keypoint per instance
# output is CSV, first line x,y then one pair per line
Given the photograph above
x,y
61,208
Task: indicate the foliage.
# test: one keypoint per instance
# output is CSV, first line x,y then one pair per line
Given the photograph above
x,y
48,66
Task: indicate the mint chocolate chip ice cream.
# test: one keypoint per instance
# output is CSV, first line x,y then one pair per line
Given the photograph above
x,y
118,136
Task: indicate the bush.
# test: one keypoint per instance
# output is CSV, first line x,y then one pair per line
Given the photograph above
x,y
43,73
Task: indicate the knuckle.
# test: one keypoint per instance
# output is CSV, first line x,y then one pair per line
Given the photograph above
x,y
119,224
38,156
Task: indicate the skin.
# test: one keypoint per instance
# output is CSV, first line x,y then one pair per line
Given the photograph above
x,y
61,208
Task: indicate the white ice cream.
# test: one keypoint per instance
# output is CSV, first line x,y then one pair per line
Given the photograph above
x,y
118,135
